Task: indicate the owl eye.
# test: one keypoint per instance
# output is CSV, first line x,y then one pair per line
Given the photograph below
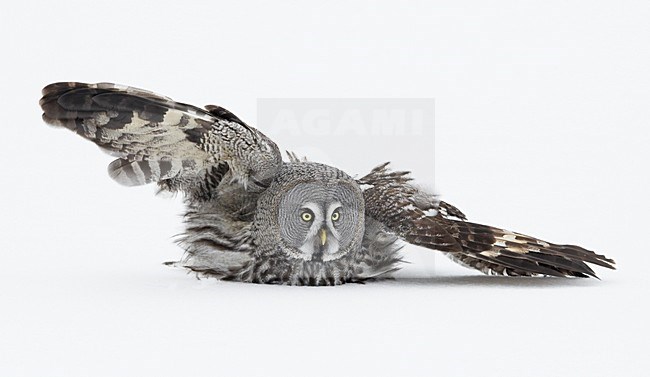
x,y
336,216
306,216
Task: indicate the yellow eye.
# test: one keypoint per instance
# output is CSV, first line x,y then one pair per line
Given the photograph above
x,y
336,216
306,216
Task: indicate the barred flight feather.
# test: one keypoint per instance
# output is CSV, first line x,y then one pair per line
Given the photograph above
x,y
399,205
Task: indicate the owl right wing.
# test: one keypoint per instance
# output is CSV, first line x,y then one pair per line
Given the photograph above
x,y
421,219
182,147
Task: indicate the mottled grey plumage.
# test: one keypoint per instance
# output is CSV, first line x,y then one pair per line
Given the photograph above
x,y
251,217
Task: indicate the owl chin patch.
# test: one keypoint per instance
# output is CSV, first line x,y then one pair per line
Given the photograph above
x,y
315,250
318,256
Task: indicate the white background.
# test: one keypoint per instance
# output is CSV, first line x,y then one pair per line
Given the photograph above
x,y
541,127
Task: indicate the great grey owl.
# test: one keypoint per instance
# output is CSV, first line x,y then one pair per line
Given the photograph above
x,y
253,218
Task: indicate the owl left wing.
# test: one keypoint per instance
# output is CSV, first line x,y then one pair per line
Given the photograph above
x,y
182,147
421,219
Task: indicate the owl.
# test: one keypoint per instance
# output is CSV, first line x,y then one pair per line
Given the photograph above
x,y
252,217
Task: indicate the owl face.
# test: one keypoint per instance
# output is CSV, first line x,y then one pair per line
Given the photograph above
x,y
320,222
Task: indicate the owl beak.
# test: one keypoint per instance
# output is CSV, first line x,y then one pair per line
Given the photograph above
x,y
323,237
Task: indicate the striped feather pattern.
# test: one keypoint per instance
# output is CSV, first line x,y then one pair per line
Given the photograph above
x,y
159,140
391,199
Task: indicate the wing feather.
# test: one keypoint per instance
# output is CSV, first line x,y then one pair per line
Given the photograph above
x,y
423,220
159,140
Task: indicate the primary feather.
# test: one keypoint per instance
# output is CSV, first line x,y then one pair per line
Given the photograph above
x,y
159,140
488,249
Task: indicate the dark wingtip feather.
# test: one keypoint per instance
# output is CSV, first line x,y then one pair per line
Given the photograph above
x,y
54,114
526,254
57,87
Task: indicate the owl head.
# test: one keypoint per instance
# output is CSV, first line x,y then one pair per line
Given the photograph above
x,y
316,219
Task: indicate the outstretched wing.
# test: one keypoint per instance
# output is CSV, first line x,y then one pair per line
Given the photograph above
x,y
180,146
421,219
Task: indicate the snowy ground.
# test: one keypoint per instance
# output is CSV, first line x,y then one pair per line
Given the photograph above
x,y
142,319
541,126
79,302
